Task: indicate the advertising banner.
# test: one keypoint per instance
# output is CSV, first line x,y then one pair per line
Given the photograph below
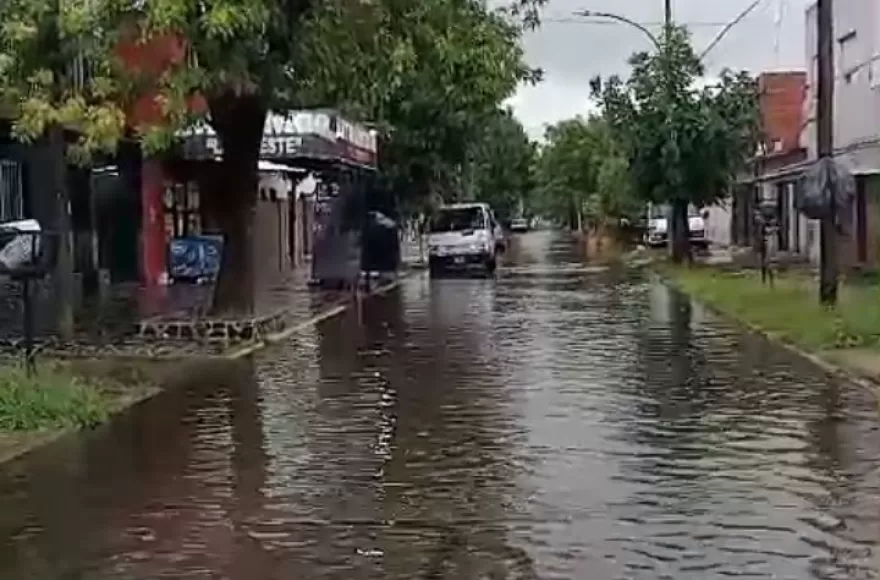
x,y
195,258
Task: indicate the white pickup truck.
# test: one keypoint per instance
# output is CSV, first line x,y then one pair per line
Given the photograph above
x,y
657,233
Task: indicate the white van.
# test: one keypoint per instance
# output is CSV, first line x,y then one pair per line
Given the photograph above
x,y
464,236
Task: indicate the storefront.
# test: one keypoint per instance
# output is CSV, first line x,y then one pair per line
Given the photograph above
x,y
335,155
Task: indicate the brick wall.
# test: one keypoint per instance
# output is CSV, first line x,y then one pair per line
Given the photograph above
x,y
782,102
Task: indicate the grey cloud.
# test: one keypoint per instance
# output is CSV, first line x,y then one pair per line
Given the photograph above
x,y
572,53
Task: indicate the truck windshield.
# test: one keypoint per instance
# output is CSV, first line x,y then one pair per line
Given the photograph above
x,y
457,219
658,212
661,211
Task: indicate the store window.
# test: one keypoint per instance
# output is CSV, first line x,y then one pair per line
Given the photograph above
x,y
182,213
11,194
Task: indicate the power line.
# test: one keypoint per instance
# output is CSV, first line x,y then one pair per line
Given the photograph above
x,y
779,19
740,17
658,24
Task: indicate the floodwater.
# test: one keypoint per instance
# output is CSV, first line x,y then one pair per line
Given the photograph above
x,y
561,421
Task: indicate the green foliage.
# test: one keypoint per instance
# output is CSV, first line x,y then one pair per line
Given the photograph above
x,y
58,60
582,170
50,400
682,143
499,166
41,44
426,73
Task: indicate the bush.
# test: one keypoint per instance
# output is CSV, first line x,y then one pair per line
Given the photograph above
x,y
53,399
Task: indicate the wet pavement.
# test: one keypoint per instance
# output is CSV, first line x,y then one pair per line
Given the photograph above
x,y
561,421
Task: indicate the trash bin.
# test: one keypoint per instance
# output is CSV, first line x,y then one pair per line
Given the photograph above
x,y
380,249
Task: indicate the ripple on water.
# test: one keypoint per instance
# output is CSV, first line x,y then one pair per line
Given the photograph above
x,y
558,422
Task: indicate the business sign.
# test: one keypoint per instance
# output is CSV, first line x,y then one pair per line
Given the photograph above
x,y
195,258
295,135
356,135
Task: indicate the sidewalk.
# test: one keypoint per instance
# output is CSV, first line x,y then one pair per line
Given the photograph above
x,y
166,322
172,321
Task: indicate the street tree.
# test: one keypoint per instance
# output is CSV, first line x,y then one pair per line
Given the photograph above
x,y
684,144
60,66
427,74
499,164
422,71
582,175
44,91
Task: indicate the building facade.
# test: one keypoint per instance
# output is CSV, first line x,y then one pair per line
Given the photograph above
x,y
773,172
856,121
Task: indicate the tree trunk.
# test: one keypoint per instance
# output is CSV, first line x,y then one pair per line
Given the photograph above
x,y
680,232
231,198
63,278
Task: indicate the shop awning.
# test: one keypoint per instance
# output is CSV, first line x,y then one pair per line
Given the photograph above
x,y
321,136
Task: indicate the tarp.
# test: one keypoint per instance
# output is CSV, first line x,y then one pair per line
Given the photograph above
x,y
823,177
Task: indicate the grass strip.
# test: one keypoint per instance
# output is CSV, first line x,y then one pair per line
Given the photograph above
x,y
52,399
790,309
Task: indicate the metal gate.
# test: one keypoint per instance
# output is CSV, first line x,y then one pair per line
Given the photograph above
x,y
11,197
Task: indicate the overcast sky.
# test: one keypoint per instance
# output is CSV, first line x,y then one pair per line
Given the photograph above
x,y
572,52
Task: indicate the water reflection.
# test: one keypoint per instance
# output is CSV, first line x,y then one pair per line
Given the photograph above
x,y
562,421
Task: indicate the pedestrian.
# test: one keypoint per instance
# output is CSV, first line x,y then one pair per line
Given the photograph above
x,y
765,240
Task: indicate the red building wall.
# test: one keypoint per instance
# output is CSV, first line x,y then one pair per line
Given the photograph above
x,y
781,99
148,60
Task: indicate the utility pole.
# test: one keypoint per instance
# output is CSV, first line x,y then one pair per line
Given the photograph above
x,y
677,218
825,147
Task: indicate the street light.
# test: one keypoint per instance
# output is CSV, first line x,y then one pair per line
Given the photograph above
x,y
624,20
663,52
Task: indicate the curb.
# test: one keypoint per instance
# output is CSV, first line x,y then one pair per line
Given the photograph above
x,y
43,439
830,368
332,312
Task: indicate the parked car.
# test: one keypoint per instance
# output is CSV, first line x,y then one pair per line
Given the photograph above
x,y
519,225
464,236
657,233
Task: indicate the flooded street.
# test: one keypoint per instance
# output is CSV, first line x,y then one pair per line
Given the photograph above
x,y
561,421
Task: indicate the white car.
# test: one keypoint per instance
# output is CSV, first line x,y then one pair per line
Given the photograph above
x,y
464,236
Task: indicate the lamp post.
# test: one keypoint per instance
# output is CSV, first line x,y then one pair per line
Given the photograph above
x,y
623,20
663,48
